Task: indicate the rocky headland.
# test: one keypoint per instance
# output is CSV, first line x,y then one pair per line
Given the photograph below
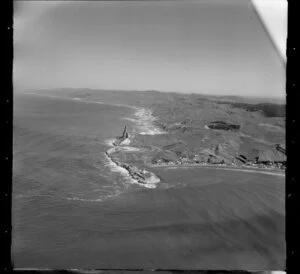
x,y
139,175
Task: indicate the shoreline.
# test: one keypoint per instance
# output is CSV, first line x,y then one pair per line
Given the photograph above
x,y
240,169
139,176
145,121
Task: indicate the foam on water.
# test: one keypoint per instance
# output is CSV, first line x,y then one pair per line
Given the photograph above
x,y
101,199
144,119
110,142
129,149
125,174
83,200
123,171
114,167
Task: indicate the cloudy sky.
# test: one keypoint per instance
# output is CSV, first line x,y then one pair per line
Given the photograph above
x,y
205,46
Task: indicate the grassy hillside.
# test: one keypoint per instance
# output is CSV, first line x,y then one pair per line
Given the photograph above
x,y
203,128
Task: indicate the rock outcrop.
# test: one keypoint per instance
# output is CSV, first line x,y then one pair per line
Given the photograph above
x,y
124,139
280,148
125,134
142,176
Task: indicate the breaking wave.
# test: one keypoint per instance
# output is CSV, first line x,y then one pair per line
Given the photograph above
x,y
144,120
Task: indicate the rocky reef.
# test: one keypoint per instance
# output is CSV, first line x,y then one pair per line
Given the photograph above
x,y
140,175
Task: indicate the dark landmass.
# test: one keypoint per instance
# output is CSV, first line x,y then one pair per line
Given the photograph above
x,y
200,129
223,126
267,109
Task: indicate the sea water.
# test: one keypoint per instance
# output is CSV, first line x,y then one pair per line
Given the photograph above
x,y
72,208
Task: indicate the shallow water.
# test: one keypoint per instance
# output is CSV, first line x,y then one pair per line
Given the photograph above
x,y
72,209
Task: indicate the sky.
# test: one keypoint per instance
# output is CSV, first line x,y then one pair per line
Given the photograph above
x,y
202,46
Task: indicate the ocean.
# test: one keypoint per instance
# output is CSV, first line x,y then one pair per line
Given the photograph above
x,y
73,208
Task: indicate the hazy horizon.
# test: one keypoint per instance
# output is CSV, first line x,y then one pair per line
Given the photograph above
x,y
207,47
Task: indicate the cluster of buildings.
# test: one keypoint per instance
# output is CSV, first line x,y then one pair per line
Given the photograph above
x,y
267,164
186,161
